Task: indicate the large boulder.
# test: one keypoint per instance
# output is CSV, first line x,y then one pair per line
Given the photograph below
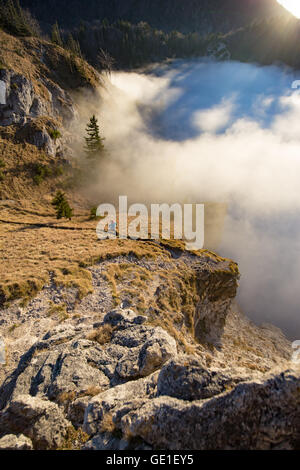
x,y
186,378
12,442
40,420
148,349
72,363
101,414
257,415
38,132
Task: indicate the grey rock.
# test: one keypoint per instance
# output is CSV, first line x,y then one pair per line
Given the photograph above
x,y
61,102
257,415
12,442
19,98
40,420
119,316
65,365
148,349
22,101
77,409
2,351
66,372
107,441
186,378
39,137
117,402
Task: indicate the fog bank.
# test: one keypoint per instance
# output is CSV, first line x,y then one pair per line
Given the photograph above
x,y
223,132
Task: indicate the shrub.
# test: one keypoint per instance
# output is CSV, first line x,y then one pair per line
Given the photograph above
x,y
41,172
102,335
93,214
62,206
54,134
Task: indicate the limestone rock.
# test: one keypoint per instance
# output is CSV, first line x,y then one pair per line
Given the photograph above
x,y
66,365
40,420
12,442
23,102
255,415
76,410
148,349
122,397
107,441
186,378
121,316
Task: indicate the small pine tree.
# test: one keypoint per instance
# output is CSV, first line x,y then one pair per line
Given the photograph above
x,y
93,142
62,206
56,36
93,213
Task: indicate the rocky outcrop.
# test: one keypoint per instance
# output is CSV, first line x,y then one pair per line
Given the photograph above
x,y
12,442
253,415
40,420
39,117
130,390
24,102
69,363
257,415
187,379
41,132
217,285
101,411
129,381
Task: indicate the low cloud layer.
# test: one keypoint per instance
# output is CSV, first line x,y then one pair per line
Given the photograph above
x,y
223,132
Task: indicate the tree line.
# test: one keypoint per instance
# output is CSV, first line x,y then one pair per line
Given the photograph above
x,y
16,20
132,45
105,44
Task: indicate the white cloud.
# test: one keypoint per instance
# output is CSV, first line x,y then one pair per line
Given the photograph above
x,y
163,133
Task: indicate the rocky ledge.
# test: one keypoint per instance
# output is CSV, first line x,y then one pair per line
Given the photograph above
x,y
116,379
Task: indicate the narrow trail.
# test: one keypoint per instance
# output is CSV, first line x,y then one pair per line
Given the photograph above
x,y
41,225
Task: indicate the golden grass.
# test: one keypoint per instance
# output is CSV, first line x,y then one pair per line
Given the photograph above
x,y
66,397
133,279
107,424
92,391
28,253
74,439
58,310
101,335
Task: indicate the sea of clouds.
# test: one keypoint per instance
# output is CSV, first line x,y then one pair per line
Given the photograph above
x,y
194,131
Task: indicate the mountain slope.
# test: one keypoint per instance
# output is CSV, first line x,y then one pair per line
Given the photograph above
x,y
181,15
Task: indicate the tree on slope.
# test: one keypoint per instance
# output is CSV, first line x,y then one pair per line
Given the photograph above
x,y
62,206
94,147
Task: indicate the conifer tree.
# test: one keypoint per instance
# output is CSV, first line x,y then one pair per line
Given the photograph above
x,y
73,46
56,36
16,20
62,206
93,142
